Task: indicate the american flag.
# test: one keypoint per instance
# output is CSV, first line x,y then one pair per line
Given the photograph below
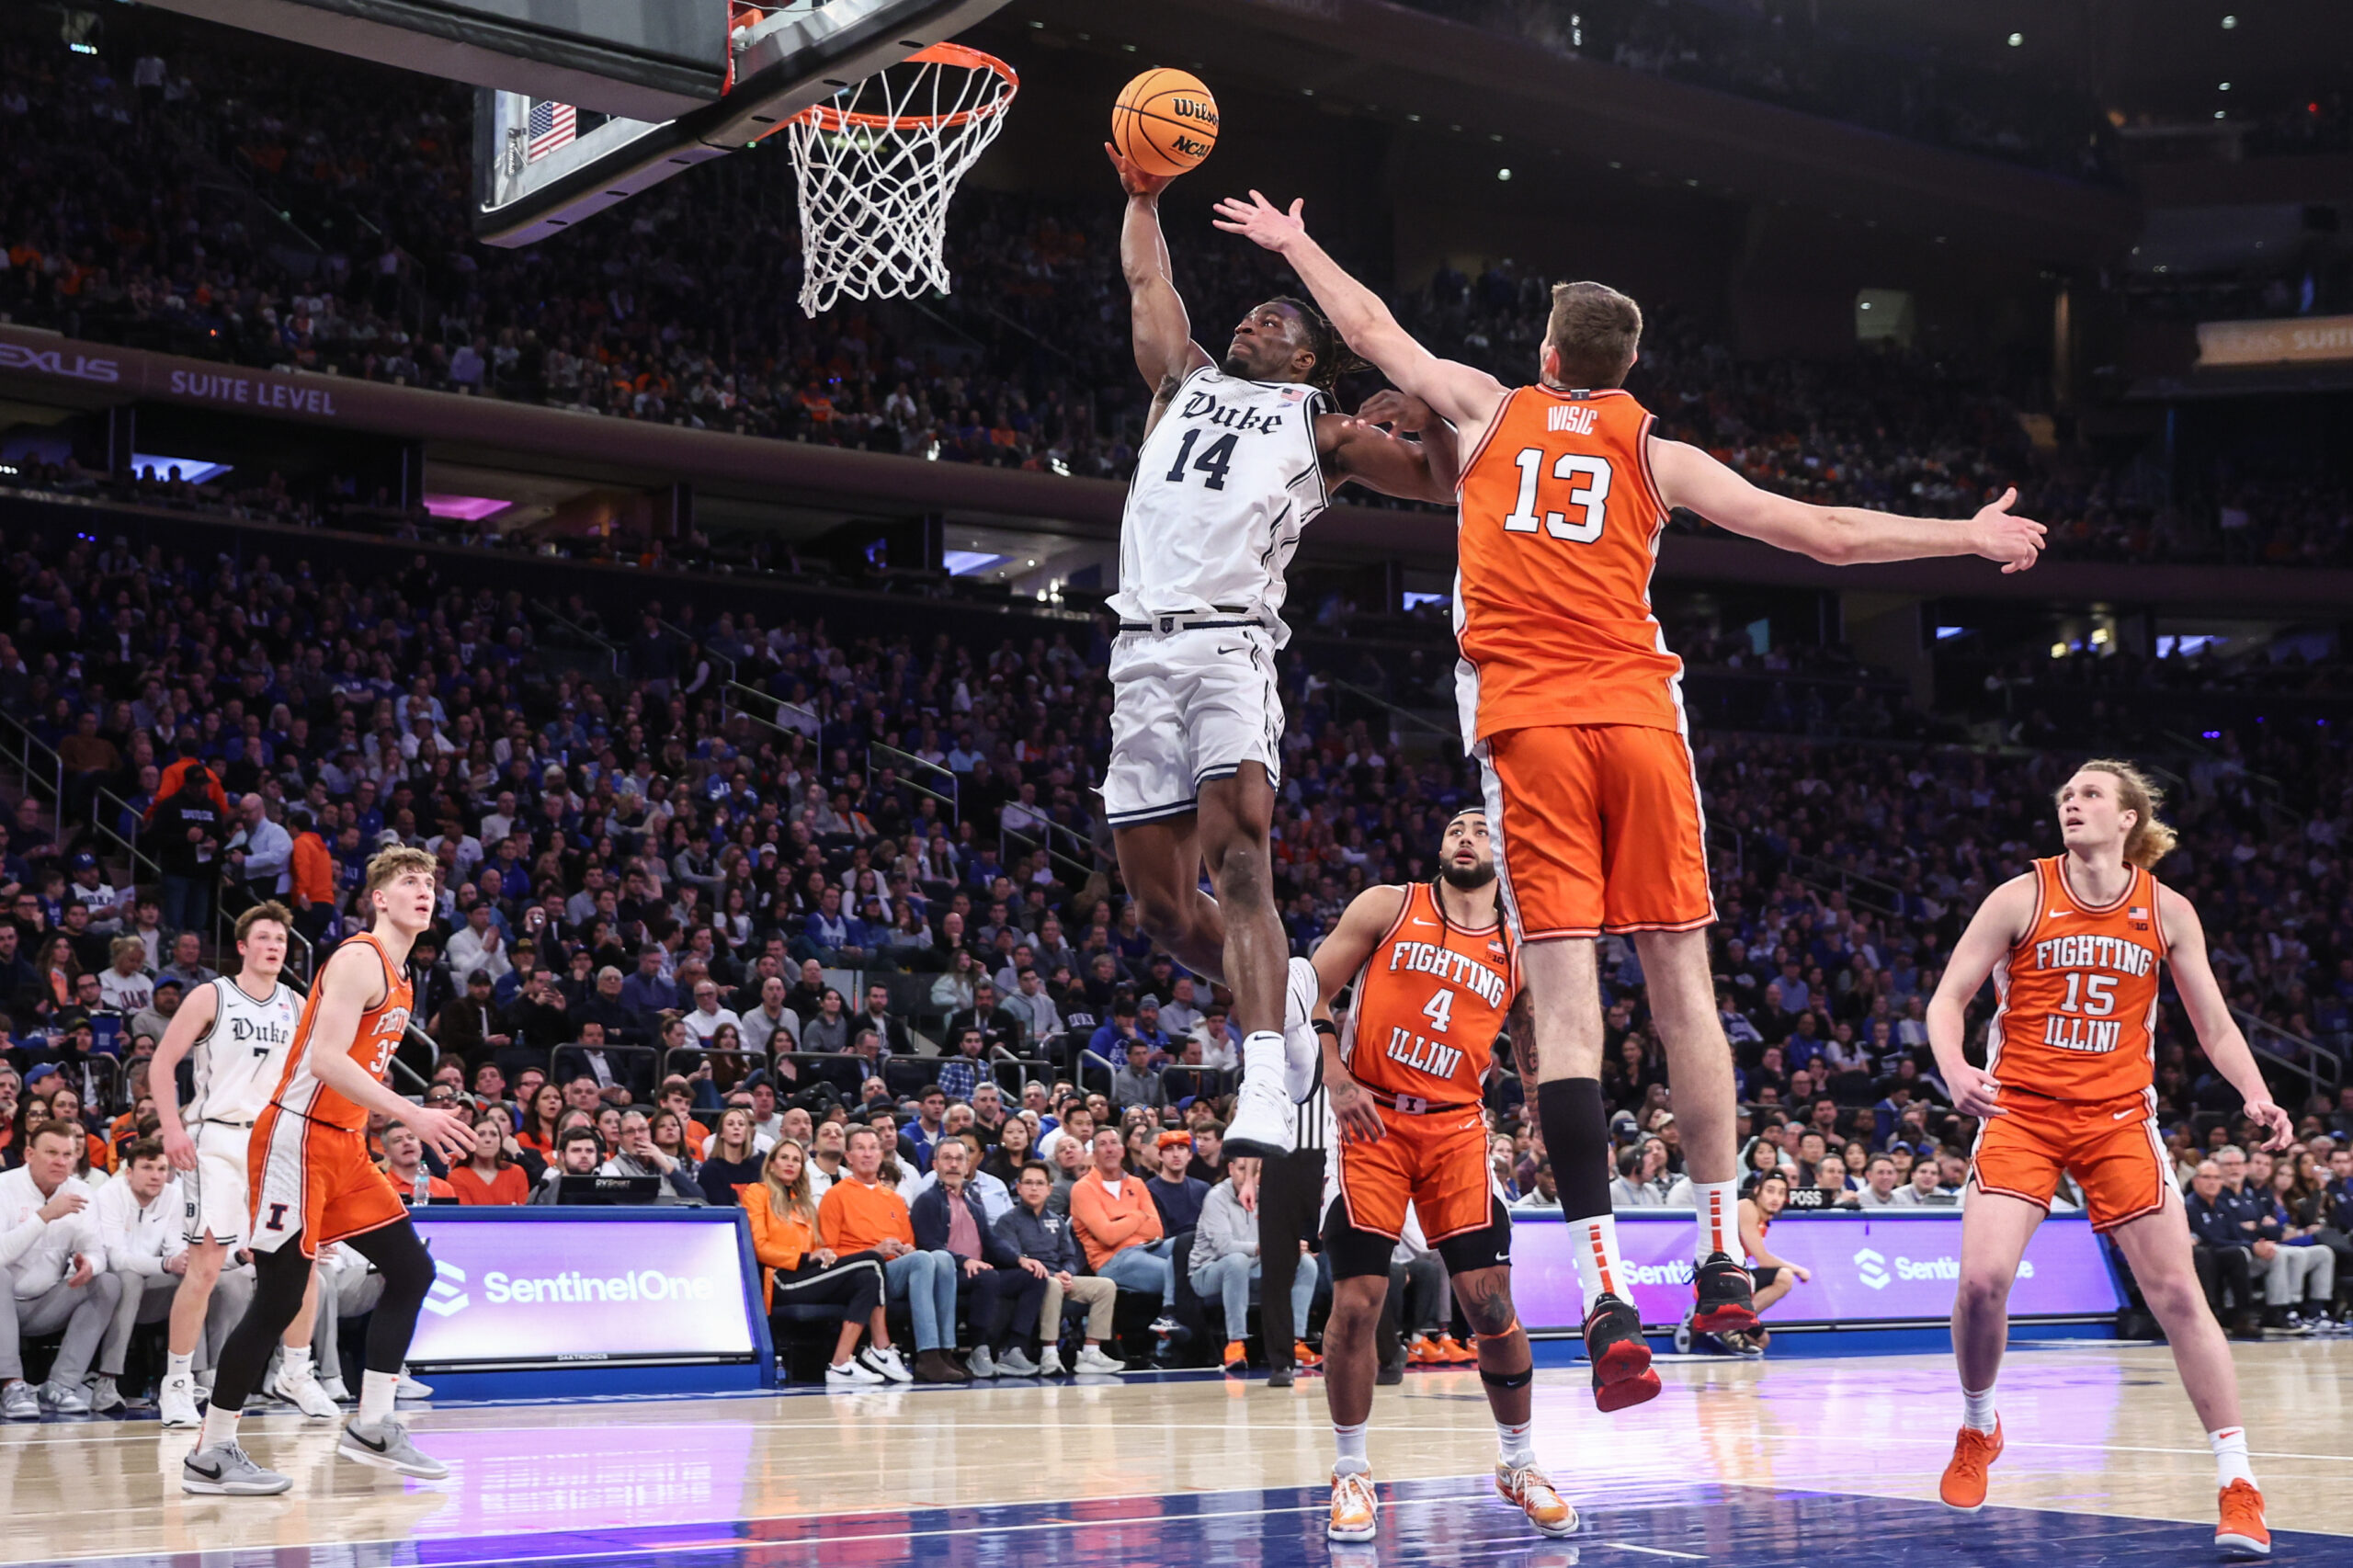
x,y
553,125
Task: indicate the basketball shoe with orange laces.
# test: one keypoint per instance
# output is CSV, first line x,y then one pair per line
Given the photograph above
x,y
2242,1532
1973,1453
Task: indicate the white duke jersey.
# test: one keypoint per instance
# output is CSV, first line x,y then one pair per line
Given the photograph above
x,y
238,1060
1224,486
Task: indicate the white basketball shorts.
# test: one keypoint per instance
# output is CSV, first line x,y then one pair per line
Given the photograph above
x,y
1189,706
217,1195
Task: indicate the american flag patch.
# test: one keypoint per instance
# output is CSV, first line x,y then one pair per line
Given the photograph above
x,y
1294,394
553,126
2138,912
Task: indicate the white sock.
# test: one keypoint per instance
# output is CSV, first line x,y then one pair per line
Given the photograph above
x,y
1518,1444
220,1426
1295,985
2230,1456
179,1366
1719,1230
1977,1409
376,1395
295,1364
1352,1460
1599,1266
1262,1052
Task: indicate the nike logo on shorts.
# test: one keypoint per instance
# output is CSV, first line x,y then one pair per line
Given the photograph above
x,y
1223,650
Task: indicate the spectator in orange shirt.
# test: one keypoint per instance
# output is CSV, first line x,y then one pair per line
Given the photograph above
x,y
859,1214
1119,1227
404,1163
313,869
492,1176
784,1238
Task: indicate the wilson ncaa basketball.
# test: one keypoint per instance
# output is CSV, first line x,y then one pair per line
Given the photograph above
x,y
1164,122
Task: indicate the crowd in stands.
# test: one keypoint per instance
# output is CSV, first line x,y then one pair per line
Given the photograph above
x,y
673,939
153,218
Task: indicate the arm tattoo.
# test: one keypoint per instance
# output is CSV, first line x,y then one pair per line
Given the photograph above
x,y
1521,1028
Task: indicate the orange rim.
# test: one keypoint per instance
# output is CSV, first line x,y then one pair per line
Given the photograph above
x,y
829,118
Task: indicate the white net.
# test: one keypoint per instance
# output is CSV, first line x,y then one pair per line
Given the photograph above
x,y
879,162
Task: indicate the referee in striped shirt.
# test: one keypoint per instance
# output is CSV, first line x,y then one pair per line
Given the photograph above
x,y
1290,1211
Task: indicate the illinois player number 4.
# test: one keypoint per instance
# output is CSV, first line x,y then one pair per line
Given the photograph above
x,y
1588,497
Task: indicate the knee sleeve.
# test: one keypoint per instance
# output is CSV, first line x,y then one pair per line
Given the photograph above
x,y
1576,1140
400,1257
279,1280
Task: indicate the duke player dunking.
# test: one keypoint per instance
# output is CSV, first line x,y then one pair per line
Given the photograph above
x,y
1239,455
2074,948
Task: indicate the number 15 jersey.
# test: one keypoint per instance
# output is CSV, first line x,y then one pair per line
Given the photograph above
x,y
1557,535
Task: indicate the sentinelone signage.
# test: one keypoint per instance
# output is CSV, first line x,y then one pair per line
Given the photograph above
x,y
1867,1270
2306,340
531,1291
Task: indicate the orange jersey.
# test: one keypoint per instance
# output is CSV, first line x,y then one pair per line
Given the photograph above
x,y
1560,522
1430,1004
2078,994
372,1044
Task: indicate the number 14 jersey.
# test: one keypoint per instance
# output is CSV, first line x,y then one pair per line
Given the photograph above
x,y
1558,534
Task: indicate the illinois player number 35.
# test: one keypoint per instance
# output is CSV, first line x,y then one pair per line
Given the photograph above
x,y
1588,477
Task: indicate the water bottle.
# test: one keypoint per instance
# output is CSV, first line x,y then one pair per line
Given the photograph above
x,y
421,1190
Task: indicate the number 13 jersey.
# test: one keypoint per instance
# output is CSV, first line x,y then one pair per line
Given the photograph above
x,y
1225,485
1429,1003
1558,534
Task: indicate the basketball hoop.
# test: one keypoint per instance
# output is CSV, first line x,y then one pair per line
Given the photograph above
x,y
878,164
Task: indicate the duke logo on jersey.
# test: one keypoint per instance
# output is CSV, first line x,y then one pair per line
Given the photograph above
x,y
1225,485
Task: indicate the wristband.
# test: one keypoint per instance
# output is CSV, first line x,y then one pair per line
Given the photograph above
x,y
1326,1028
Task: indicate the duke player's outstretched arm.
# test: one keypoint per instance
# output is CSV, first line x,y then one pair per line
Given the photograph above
x,y
2210,1015
352,982
1425,470
1162,332
1463,394
1689,478
188,1027
2000,921
1338,959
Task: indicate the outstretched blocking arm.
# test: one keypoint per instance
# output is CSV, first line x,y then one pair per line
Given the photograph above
x,y
2000,921
1162,332
2210,1015
1840,536
1463,394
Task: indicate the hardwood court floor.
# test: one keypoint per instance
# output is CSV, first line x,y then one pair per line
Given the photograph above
x,y
1791,1460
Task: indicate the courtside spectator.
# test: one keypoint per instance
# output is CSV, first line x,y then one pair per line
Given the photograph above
x,y
998,1291
1225,1262
144,1228
1049,1247
859,1214
54,1265
1120,1228
796,1267
1178,1194
493,1174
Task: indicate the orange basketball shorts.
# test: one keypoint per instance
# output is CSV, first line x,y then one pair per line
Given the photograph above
x,y
1438,1163
313,1182
1597,828
2112,1147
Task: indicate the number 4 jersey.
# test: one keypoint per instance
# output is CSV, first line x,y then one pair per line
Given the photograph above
x,y
1428,1005
1224,486
1559,529
2078,994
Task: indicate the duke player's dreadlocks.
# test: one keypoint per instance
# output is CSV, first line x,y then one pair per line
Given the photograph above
x,y
1333,358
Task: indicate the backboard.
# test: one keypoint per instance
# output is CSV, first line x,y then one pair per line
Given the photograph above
x,y
542,164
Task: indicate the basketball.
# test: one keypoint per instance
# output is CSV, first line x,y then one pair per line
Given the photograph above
x,y
1164,122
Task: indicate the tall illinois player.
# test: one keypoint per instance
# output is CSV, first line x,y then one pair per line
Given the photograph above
x,y
1574,705
1239,456
2068,1084
1437,976
312,1183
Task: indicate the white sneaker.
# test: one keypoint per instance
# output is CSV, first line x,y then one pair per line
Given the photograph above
x,y
1092,1359
63,1399
1302,1050
303,1392
1014,1363
884,1360
1264,1114
850,1375
409,1388
225,1470
1049,1363
333,1388
982,1362
103,1396
386,1446
177,1401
